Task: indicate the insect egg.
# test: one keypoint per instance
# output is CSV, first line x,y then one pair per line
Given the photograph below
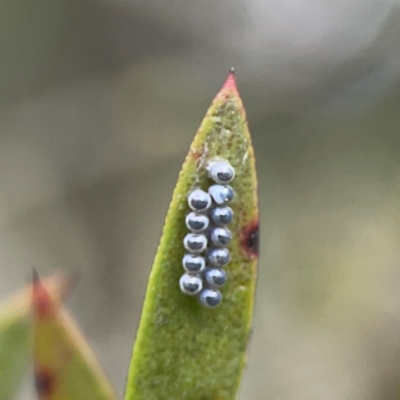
x,y
222,172
193,263
218,257
195,243
220,237
210,298
197,222
199,200
190,284
221,194
215,277
221,215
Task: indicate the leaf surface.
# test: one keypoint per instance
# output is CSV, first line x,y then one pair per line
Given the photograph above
x,y
183,350
15,329
64,365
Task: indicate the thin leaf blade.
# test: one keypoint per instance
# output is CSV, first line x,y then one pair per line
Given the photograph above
x,y
182,350
15,334
64,365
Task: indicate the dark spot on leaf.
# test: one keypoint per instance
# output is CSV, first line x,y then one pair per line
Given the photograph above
x,y
250,239
44,382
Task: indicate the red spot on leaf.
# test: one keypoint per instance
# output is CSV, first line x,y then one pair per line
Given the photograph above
x,y
249,239
196,153
44,382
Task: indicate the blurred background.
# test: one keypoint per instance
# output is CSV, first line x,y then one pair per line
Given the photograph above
x,y
99,101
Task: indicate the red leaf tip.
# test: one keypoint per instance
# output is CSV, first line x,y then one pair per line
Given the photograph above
x,y
42,302
230,82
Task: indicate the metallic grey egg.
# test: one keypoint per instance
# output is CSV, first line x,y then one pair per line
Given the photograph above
x,y
193,263
221,194
190,284
218,257
195,243
222,172
215,277
199,200
221,216
220,237
197,222
210,298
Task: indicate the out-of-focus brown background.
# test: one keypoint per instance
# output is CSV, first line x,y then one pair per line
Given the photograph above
x,y
99,101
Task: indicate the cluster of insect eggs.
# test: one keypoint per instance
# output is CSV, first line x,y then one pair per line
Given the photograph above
x,y
207,222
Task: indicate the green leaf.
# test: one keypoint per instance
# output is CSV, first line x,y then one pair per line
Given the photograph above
x,y
15,329
183,350
65,366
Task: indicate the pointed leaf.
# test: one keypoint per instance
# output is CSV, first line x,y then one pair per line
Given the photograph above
x,y
65,366
15,324
183,350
